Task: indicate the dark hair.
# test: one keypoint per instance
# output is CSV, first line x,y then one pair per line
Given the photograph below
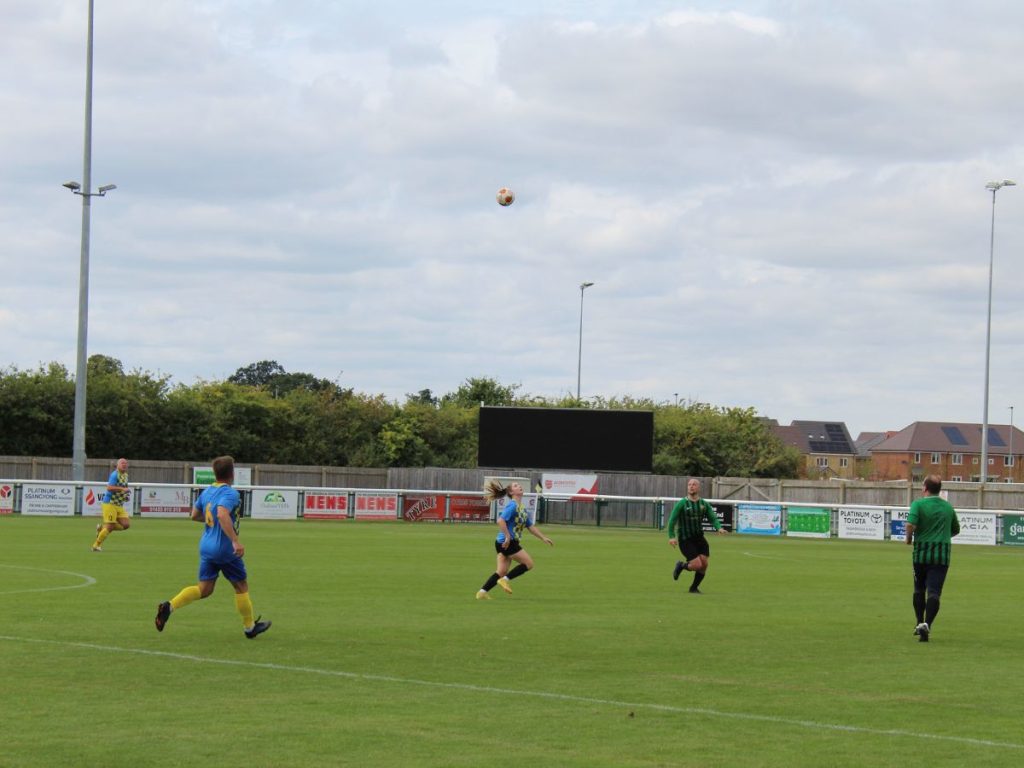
x,y
933,484
224,468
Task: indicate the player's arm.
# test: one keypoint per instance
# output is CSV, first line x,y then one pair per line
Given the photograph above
x,y
955,528
503,527
227,525
713,518
910,532
112,485
536,532
197,513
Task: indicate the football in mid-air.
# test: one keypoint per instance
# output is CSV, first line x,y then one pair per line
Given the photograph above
x,y
505,196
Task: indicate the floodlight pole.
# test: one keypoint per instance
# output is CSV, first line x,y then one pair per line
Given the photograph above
x,y
84,189
995,186
1013,464
579,359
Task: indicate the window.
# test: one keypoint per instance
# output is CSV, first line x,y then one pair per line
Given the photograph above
x,y
917,458
936,458
823,461
974,460
956,458
956,478
991,461
1007,461
844,462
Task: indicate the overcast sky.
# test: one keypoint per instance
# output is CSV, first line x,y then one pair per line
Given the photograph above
x,y
781,205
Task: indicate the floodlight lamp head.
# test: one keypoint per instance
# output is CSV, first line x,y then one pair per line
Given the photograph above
x,y
994,185
106,188
585,285
74,186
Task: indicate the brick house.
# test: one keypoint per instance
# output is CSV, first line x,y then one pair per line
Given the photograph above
x,y
826,447
951,451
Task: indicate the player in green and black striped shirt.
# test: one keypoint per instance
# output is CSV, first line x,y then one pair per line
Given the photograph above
x,y
931,524
686,528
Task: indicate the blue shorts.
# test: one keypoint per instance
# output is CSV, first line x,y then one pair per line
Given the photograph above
x,y
232,567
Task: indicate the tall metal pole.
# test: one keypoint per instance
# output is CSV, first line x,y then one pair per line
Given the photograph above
x,y
579,359
78,450
1013,464
995,186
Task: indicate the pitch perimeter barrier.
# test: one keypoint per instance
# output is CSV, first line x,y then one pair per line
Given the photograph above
x,y
791,519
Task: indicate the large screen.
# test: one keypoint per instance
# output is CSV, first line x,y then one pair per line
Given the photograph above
x,y
566,438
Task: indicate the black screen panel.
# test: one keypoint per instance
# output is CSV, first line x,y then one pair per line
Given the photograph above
x,y
566,438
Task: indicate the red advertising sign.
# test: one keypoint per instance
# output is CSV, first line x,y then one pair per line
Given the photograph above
x,y
6,499
469,508
376,506
325,505
423,507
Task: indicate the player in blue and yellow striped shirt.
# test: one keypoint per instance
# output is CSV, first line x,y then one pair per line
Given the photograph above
x,y
115,517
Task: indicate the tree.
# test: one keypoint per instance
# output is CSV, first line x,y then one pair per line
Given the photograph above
x,y
481,391
256,374
36,411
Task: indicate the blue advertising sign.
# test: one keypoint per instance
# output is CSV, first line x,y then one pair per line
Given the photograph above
x,y
759,519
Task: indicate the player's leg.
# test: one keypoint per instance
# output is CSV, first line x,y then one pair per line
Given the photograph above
x,y
922,629
108,525
234,572
123,521
515,552
500,569
208,572
524,564
699,564
934,582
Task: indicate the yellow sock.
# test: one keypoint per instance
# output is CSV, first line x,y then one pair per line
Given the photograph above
x,y
101,536
186,596
244,606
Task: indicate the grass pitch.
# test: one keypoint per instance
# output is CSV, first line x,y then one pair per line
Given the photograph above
x,y
799,653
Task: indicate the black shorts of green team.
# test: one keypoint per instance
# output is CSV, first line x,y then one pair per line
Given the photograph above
x,y
692,547
513,547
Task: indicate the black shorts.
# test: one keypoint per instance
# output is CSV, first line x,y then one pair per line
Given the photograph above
x,y
930,578
513,547
693,547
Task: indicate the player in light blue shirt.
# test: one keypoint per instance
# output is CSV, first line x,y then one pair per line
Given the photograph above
x,y
219,508
513,519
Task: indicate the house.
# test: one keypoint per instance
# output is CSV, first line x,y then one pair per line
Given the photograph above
x,y
826,447
950,450
864,444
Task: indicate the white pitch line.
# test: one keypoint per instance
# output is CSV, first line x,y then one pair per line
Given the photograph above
x,y
87,581
811,724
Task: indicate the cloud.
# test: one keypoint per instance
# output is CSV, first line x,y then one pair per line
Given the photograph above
x,y
781,206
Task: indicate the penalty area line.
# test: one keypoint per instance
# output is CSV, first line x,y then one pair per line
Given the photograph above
x,y
550,696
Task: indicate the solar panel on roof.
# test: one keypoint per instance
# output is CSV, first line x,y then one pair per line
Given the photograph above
x,y
954,435
994,438
829,446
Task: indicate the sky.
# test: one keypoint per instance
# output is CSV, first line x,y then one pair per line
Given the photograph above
x,y
781,205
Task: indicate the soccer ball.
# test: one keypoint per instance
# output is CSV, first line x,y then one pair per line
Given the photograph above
x,y
505,196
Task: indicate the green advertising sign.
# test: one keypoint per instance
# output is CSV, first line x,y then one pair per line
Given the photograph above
x,y
202,476
810,522
1013,529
